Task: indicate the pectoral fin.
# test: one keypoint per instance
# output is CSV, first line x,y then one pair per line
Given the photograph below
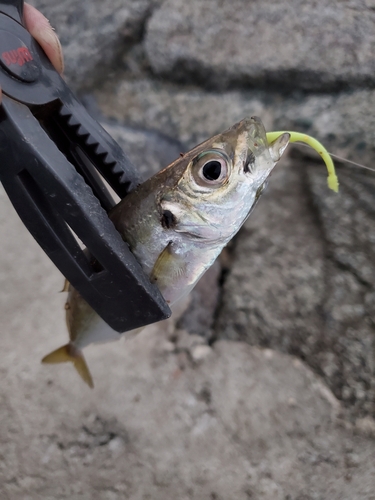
x,y
167,268
66,286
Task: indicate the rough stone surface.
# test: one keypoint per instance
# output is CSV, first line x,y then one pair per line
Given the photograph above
x,y
95,34
349,306
297,44
187,114
343,122
149,150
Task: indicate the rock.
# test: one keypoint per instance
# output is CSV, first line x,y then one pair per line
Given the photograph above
x,y
283,45
188,115
342,122
200,353
366,427
348,306
149,150
95,34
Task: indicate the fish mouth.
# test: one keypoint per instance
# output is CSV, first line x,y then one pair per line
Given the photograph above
x,y
252,134
254,127
256,136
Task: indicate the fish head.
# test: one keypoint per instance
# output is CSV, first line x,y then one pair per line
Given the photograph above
x,y
223,179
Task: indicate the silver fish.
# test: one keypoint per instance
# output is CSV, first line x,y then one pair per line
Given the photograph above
x,y
177,222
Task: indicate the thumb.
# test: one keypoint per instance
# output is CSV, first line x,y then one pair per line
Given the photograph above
x,y
40,28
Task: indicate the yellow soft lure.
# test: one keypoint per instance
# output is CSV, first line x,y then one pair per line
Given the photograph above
x,y
332,180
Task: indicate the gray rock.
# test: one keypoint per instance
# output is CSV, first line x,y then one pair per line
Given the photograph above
x,y
348,227
148,150
343,350
95,34
344,123
189,115
287,45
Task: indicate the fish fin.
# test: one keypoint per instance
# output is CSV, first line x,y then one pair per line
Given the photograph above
x,y
61,355
161,262
167,264
81,366
65,288
69,353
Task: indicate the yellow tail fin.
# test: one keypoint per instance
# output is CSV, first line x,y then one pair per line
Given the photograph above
x,y
70,353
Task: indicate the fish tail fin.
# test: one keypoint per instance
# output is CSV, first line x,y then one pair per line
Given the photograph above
x,y
81,366
69,353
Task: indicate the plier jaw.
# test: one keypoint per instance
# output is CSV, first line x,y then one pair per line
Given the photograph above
x,y
53,157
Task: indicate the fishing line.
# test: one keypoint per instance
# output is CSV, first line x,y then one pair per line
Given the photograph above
x,y
340,158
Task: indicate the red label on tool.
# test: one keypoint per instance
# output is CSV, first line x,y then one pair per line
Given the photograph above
x,y
18,56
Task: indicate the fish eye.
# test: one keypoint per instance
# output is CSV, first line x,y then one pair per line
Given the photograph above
x,y
211,168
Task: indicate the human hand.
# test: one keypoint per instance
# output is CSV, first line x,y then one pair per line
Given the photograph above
x,y
40,28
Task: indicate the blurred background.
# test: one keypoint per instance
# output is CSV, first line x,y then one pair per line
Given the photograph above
x,y
263,387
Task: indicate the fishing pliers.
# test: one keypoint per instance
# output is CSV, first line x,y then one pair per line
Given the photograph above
x,y
56,162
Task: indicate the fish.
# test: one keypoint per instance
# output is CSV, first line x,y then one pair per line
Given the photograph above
x,y
177,222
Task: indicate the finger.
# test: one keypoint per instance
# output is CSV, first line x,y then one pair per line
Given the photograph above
x,y
40,28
